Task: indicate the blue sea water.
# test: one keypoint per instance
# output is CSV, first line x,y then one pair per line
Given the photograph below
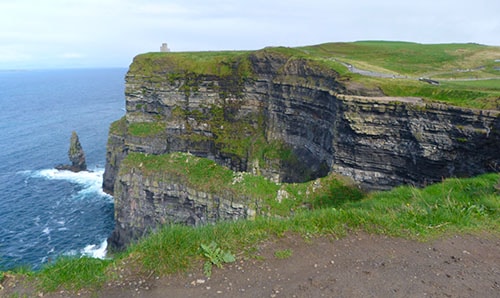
x,y
45,213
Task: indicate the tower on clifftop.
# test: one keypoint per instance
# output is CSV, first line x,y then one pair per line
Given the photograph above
x,y
164,47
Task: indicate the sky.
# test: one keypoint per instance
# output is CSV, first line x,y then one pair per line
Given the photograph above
x,y
37,34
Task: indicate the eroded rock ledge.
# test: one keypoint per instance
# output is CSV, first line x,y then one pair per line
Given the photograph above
x,y
288,119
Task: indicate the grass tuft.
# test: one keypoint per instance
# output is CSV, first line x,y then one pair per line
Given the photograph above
x,y
72,274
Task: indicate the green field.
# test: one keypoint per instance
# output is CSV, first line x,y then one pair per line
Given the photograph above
x,y
411,59
468,73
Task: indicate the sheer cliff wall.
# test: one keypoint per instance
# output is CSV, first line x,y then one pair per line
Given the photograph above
x,y
288,119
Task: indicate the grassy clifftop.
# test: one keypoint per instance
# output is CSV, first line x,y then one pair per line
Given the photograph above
x,y
413,59
469,74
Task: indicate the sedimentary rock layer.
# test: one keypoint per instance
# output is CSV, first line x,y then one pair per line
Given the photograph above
x,y
285,118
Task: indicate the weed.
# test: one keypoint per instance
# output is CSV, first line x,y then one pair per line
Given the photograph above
x,y
215,256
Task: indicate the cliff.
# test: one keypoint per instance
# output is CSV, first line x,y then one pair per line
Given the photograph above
x,y
280,116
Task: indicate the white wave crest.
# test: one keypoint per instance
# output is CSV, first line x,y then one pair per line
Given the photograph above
x,y
96,251
90,180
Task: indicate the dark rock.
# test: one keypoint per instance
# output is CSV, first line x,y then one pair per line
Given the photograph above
x,y
76,156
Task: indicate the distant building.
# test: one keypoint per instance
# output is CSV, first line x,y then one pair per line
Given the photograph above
x,y
164,48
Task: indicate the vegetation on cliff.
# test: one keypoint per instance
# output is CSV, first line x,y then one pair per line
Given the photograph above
x,y
274,199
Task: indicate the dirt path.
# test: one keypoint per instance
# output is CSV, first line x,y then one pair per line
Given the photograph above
x,y
359,265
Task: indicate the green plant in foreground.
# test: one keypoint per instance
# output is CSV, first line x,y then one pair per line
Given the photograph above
x,y
215,256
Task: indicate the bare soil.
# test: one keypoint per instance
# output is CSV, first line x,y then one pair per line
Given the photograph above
x,y
359,265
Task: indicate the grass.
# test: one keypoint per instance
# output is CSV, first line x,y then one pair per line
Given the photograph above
x,y
407,58
477,94
441,61
283,254
220,63
146,129
73,273
454,206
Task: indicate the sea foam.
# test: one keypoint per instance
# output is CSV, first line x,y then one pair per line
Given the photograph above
x,y
91,181
96,251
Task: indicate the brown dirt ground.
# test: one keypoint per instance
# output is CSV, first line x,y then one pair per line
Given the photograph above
x,y
359,265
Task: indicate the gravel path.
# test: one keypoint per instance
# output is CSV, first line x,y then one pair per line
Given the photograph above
x,y
359,265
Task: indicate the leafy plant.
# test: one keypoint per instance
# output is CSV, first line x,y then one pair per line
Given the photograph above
x,y
215,256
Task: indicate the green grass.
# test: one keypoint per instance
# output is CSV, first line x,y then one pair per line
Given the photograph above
x,y
441,61
145,129
478,94
283,254
407,58
469,205
73,274
220,63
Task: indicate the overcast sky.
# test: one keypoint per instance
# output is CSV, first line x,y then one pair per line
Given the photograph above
x,y
109,33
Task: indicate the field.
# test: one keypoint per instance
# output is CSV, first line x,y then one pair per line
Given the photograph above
x,y
469,74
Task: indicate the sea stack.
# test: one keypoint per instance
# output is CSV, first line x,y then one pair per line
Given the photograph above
x,y
76,156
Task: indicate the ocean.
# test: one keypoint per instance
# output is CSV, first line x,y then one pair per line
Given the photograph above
x,y
46,213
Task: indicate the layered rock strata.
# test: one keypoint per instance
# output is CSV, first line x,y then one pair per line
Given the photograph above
x,y
288,119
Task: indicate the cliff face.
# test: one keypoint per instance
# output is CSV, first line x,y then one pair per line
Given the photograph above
x,y
285,118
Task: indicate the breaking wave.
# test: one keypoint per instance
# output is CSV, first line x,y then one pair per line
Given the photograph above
x,y
90,181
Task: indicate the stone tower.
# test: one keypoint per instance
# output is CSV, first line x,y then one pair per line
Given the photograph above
x,y
164,47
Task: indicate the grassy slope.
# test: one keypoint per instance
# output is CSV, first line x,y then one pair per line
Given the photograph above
x,y
447,63
411,59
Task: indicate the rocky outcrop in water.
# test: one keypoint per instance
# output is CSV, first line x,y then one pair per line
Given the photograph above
x,y
285,118
76,156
